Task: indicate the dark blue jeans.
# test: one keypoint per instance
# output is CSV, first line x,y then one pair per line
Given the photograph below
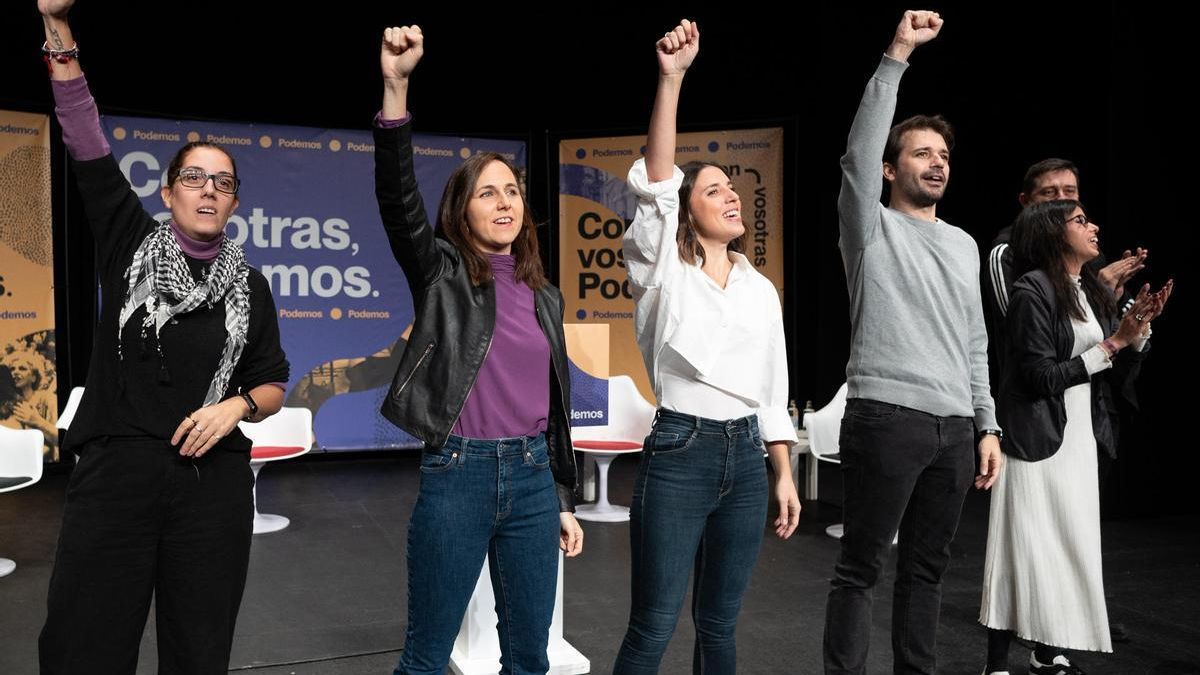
x,y
482,497
699,505
907,470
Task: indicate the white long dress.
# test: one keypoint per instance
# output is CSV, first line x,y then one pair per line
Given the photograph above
x,y
1042,575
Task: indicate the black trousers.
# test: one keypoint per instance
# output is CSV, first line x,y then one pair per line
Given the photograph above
x,y
140,522
902,470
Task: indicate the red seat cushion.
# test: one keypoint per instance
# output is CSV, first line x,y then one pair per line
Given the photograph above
x,y
610,446
273,452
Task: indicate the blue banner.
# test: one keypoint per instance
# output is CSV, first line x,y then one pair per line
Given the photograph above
x,y
309,221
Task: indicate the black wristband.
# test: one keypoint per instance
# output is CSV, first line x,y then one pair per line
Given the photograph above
x,y
250,402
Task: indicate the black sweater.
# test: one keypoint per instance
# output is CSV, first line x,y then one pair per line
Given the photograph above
x,y
142,395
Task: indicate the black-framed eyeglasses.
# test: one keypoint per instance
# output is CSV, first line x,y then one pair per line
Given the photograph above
x,y
195,177
1080,220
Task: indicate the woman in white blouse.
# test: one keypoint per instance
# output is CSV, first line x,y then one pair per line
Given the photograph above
x,y
710,330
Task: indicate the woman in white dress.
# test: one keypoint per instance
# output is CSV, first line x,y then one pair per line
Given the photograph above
x,y
1042,576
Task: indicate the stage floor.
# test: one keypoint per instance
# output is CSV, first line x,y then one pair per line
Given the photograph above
x,y
327,594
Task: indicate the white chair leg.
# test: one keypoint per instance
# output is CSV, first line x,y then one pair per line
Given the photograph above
x,y
602,510
6,567
602,464
264,522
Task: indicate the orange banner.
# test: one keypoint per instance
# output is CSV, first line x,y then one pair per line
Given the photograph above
x,y
28,384
595,207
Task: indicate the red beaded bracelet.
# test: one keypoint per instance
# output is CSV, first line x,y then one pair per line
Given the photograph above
x,y
59,55
1110,347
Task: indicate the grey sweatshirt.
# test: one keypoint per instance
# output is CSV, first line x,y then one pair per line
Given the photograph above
x,y
917,336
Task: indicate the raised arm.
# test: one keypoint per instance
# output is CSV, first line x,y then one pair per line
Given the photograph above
x,y
862,173
676,51
400,205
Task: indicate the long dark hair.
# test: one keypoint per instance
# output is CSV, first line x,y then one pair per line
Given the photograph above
x,y
452,224
1039,242
686,237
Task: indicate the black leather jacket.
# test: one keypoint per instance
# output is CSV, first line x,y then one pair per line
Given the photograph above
x,y
1039,368
454,321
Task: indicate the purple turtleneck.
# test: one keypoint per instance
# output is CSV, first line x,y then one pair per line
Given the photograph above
x,y
511,396
204,251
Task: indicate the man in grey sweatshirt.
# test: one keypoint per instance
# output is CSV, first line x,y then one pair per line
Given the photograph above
x,y
919,403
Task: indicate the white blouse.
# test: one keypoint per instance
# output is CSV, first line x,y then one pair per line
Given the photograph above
x,y
710,351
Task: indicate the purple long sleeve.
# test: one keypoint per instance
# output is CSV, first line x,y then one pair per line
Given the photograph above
x,y
76,111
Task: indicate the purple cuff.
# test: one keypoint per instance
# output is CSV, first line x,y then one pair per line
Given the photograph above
x,y
76,110
391,124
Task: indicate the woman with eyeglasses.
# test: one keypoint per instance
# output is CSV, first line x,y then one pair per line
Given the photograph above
x,y
484,382
159,505
1068,351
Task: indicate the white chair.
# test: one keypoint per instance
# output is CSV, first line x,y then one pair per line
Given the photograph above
x,y
284,435
629,419
824,426
68,414
20,466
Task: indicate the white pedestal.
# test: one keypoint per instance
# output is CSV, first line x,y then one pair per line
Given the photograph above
x,y
587,480
602,511
477,647
264,522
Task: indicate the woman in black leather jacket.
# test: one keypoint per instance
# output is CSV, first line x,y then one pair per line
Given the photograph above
x,y
1066,352
484,383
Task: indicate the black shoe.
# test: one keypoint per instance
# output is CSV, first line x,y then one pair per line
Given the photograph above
x,y
1117,632
1060,666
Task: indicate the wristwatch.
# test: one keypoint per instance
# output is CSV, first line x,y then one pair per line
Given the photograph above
x,y
250,402
998,433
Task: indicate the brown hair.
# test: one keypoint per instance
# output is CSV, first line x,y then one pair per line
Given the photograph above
x,y
452,224
895,140
686,237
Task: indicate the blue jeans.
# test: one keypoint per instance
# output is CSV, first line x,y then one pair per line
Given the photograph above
x,y
482,497
700,505
904,470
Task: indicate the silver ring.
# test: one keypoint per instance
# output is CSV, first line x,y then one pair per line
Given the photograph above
x,y
1139,318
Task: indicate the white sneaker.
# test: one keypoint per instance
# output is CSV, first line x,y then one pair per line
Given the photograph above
x,y
1059,666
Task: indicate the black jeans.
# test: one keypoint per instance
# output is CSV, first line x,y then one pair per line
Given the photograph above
x,y
141,521
902,470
